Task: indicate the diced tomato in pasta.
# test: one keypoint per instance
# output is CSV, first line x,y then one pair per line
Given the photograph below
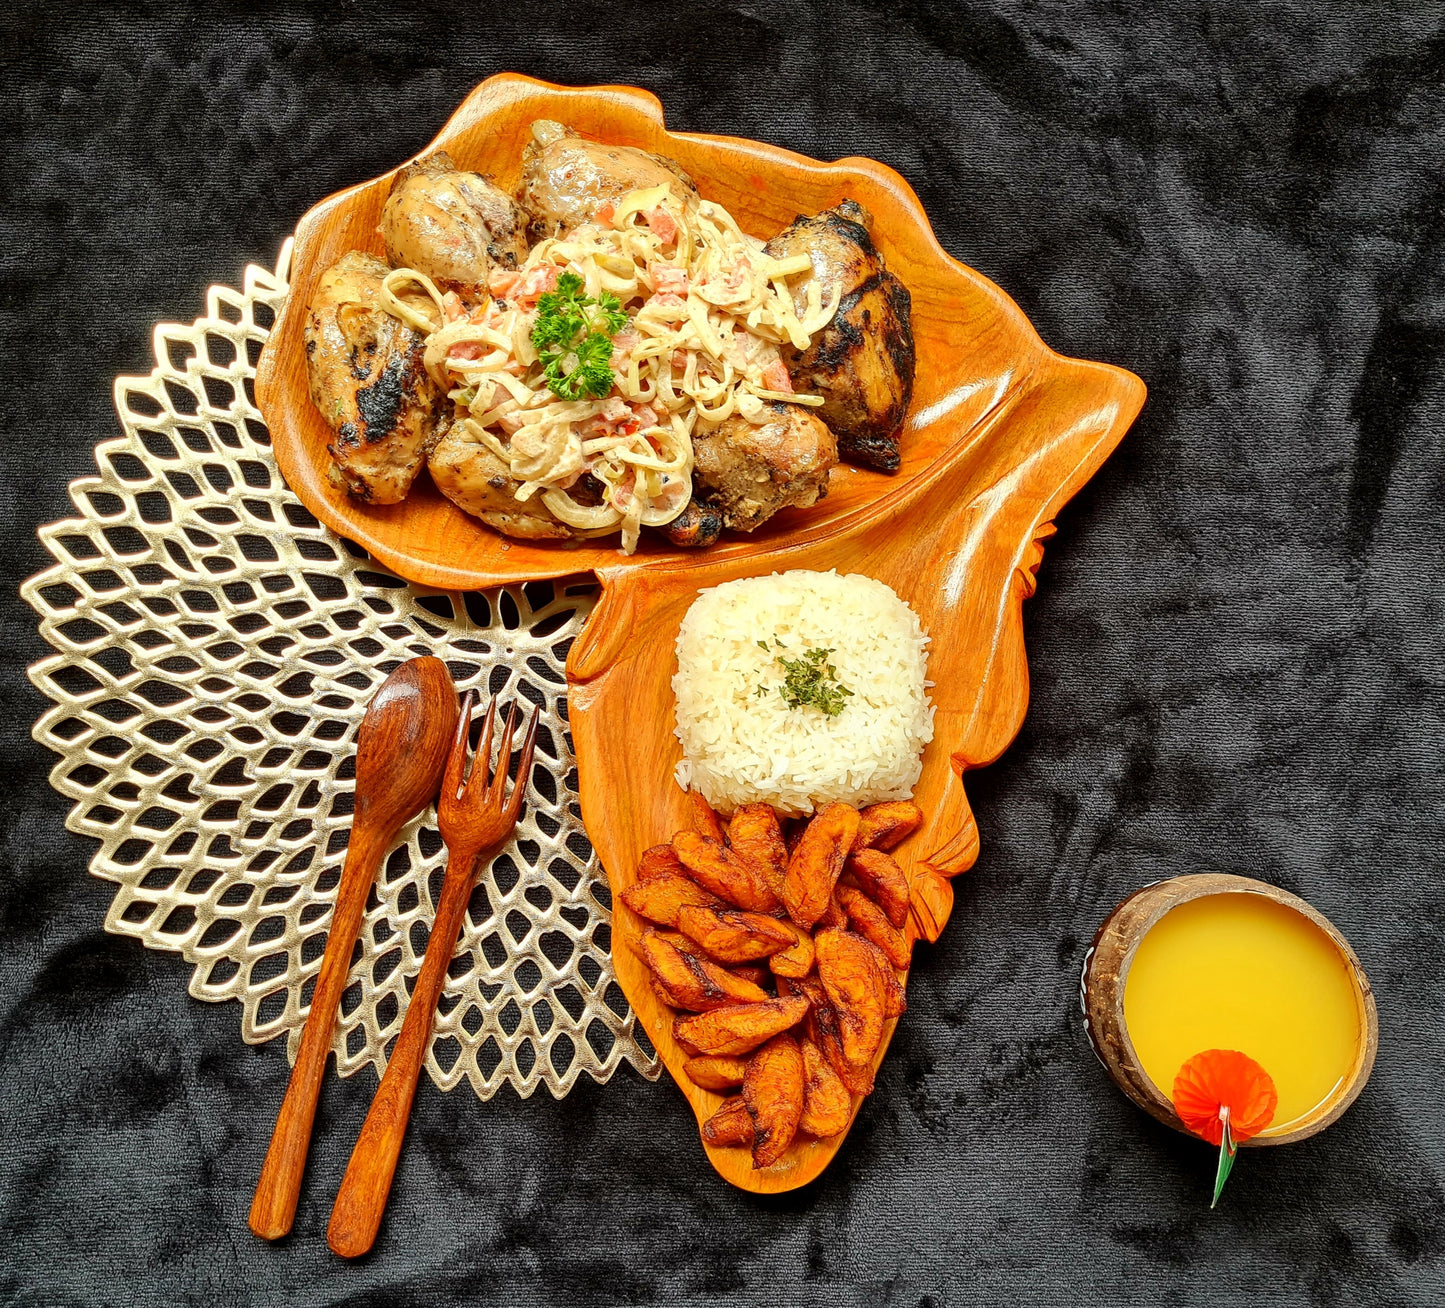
x,y
538,282
669,279
775,378
663,225
503,281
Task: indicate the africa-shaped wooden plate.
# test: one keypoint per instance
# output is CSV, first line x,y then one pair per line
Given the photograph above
x,y
1002,433
960,542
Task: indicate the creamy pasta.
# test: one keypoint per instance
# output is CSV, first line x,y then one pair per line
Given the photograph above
x,y
706,311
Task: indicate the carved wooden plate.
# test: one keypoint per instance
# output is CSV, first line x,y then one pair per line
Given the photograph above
x,y
1002,433
974,346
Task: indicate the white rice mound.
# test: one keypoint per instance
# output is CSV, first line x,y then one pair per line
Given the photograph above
x,y
739,748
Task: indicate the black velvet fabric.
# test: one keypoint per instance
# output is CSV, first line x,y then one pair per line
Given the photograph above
x,y
1235,650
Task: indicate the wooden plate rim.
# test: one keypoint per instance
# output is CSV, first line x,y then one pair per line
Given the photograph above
x,y
351,520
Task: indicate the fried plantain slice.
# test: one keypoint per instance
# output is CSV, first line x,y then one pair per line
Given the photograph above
x,y
662,897
719,870
773,1093
732,1124
705,822
658,861
823,1029
797,959
895,998
754,972
881,826
664,995
870,922
755,834
682,942
714,1073
695,982
851,977
733,936
882,880
816,862
740,1028
833,915
826,1102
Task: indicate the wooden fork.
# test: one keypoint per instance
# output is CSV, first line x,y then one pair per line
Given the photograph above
x,y
475,818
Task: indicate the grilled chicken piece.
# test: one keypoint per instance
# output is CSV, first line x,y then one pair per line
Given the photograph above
x,y
748,471
368,380
451,225
478,482
862,362
565,178
697,526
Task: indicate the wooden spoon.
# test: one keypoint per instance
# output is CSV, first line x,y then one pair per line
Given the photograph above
x,y
476,817
400,753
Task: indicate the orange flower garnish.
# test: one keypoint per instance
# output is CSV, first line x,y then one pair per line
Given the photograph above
x,y
1224,1078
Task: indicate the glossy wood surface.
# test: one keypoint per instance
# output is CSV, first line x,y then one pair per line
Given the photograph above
x,y
401,750
960,542
1106,974
475,818
1001,434
975,348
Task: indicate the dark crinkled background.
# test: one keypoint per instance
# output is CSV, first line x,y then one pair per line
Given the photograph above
x,y
1236,650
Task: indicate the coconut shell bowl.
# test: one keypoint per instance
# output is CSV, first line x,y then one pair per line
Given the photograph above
x,y
1105,978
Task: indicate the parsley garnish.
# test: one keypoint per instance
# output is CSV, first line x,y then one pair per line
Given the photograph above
x,y
810,679
573,338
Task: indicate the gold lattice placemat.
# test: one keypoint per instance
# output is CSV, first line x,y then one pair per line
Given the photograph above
x,y
216,650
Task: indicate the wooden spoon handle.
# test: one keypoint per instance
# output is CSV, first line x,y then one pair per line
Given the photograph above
x,y
356,1216
274,1207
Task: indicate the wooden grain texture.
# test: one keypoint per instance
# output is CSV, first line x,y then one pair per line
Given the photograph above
x,y
476,818
975,347
1106,974
1001,434
400,752
361,1201
959,542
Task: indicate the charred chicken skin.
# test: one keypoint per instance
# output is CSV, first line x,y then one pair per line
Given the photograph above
x,y
368,380
747,471
478,482
696,527
861,363
567,178
453,226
